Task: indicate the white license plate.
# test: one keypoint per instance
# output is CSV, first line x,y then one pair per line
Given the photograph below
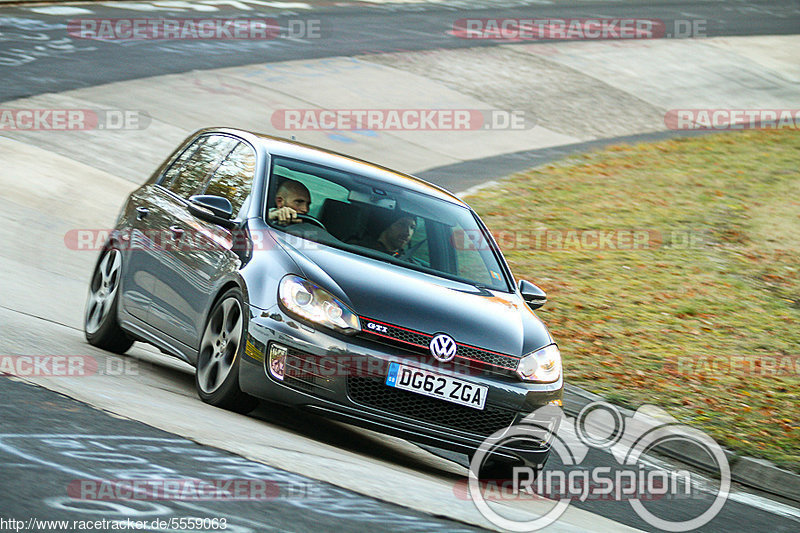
x,y
436,385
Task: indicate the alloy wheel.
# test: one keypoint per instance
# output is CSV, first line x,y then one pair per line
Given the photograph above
x,y
219,345
102,290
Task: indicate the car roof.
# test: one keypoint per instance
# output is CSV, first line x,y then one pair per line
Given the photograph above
x,y
297,150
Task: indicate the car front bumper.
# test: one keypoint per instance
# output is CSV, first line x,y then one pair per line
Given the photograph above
x,y
342,378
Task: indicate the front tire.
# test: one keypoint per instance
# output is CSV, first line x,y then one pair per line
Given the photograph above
x,y
220,353
100,324
497,468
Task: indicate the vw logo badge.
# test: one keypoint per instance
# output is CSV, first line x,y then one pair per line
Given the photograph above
x,y
443,347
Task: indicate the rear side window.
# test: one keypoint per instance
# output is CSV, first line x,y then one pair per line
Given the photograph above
x,y
188,174
175,169
234,177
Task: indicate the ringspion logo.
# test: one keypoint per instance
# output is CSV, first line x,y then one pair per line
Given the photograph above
x,y
599,425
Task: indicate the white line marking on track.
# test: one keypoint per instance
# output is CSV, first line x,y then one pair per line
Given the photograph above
x,y
205,5
180,4
59,10
281,5
765,504
134,6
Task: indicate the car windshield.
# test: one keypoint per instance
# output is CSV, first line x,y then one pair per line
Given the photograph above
x,y
382,221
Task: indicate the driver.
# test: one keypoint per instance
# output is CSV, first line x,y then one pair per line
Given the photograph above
x,y
396,233
291,199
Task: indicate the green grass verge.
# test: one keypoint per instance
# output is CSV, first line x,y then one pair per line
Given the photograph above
x,y
694,304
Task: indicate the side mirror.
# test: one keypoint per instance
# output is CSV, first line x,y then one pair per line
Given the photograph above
x,y
212,208
533,295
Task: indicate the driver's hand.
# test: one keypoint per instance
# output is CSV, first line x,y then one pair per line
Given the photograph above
x,y
284,215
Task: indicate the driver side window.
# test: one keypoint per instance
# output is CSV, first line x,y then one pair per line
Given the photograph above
x,y
321,191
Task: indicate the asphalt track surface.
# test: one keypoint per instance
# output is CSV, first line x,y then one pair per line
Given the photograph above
x,y
82,444
467,174
34,59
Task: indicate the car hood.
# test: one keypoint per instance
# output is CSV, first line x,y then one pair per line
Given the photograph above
x,y
389,293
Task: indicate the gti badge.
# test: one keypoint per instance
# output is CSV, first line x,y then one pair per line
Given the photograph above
x,y
443,347
377,327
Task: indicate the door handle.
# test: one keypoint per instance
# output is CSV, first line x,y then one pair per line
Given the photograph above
x,y
177,232
141,212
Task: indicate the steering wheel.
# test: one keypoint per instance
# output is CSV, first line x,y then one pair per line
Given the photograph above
x,y
310,219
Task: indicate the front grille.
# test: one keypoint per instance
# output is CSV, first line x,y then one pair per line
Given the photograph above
x,y
387,331
374,393
490,358
420,341
458,365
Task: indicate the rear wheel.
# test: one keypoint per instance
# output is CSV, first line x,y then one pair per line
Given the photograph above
x,y
100,323
221,349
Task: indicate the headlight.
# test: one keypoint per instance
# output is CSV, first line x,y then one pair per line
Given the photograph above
x,y
304,299
542,366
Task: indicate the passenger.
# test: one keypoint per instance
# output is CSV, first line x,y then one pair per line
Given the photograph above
x,y
291,199
393,233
